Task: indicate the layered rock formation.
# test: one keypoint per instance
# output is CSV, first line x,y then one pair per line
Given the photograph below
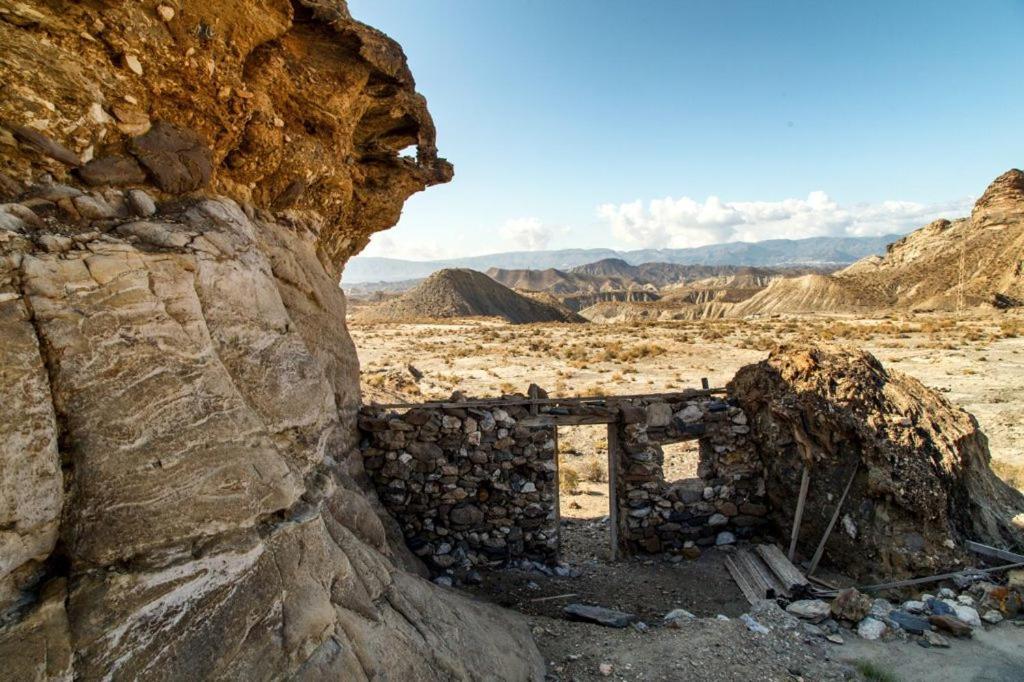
x,y
945,265
920,466
180,496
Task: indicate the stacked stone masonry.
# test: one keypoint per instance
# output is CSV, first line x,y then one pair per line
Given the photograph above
x,y
470,487
477,486
726,502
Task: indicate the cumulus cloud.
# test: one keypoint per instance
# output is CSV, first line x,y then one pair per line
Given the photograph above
x,y
529,234
680,223
385,246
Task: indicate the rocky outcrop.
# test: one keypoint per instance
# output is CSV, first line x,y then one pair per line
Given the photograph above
x,y
180,492
920,466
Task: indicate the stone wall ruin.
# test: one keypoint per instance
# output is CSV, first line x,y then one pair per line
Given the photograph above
x,y
474,484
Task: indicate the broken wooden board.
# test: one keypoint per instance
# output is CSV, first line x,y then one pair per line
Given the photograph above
x,y
783,569
994,552
755,577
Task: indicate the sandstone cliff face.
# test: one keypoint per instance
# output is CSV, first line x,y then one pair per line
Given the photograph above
x,y
180,496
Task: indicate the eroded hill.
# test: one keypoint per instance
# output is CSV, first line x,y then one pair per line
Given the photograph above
x,y
970,262
466,293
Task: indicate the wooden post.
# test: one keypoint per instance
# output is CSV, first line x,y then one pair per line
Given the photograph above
x,y
558,494
805,482
704,383
613,484
832,522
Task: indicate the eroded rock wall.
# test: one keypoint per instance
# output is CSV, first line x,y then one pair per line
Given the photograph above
x,y
921,481
180,492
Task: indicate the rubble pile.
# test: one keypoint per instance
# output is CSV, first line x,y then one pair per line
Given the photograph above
x,y
921,482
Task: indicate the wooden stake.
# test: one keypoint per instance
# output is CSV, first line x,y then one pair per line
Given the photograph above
x,y
835,515
805,482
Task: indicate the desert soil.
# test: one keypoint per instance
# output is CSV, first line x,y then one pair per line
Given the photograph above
x,y
977,363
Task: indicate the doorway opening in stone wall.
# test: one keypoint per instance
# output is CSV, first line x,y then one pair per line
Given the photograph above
x,y
682,471
583,494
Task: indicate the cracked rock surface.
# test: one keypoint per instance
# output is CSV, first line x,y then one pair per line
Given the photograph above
x,y
180,492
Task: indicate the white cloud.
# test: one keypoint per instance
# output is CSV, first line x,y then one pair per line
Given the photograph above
x,y
679,223
386,246
529,234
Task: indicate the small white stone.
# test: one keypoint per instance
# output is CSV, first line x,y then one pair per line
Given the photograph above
x,y
528,487
717,520
811,609
968,615
725,538
133,63
166,12
992,617
965,599
870,628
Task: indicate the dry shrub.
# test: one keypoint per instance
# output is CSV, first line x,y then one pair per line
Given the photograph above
x,y
568,479
1011,329
1013,474
593,471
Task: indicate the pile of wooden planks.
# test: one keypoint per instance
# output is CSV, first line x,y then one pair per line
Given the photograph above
x,y
766,573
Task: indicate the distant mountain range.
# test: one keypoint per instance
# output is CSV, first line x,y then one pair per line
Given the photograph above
x,y
814,251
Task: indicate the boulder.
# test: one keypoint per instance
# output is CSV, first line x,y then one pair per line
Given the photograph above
x,y
851,605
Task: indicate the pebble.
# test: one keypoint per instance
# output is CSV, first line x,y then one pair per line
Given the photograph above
x,y
811,609
939,607
992,617
968,614
913,606
951,624
675,616
725,538
912,624
753,625
835,639
605,669
934,639
166,12
598,614
443,581
133,64
871,628
965,599
946,593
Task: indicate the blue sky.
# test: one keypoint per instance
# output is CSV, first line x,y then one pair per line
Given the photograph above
x,y
576,123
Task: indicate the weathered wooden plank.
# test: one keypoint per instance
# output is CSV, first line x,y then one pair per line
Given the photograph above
x,y
613,488
994,552
498,402
768,585
832,522
567,420
805,482
742,580
783,569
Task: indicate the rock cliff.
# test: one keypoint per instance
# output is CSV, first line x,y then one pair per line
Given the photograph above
x,y
180,496
946,265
